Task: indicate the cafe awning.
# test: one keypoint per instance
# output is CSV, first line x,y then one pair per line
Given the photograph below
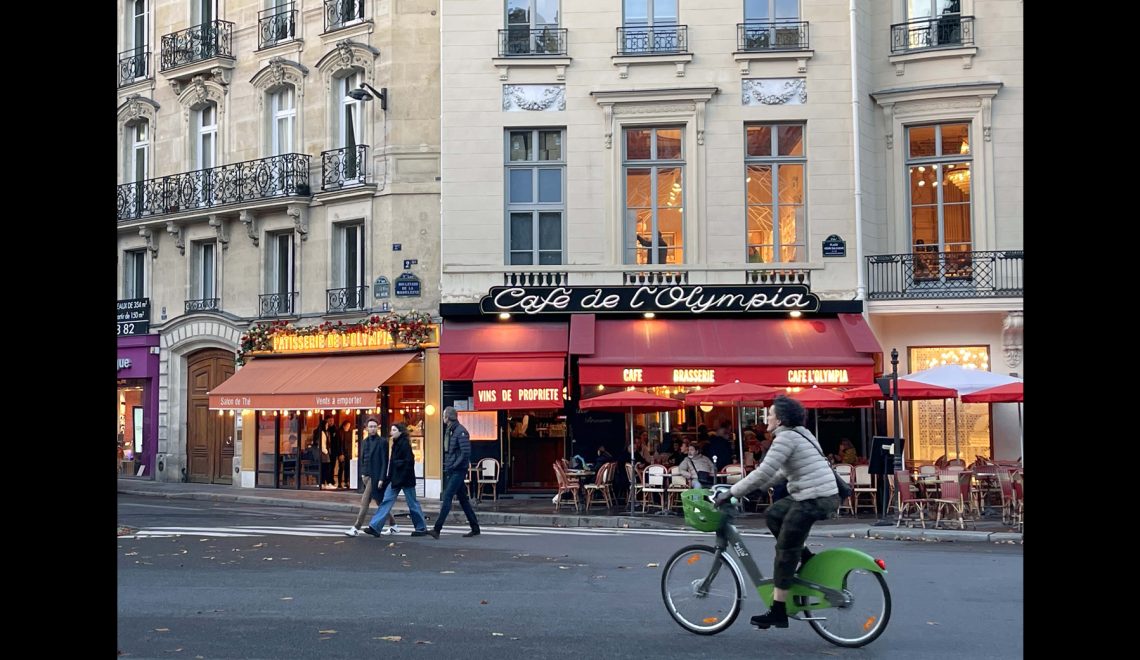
x,y
309,382
518,383
835,352
462,345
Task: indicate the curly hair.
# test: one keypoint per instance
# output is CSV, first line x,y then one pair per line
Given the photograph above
x,y
789,411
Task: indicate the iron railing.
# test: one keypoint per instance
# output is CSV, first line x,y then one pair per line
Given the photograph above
x,y
197,43
276,25
203,305
522,40
339,13
346,299
947,31
344,167
276,304
653,40
778,35
946,275
134,64
265,178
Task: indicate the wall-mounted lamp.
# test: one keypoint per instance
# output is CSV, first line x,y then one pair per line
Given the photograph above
x,y
361,94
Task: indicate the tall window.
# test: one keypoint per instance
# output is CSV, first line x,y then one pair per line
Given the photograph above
x,y
764,11
774,186
140,150
536,200
938,169
934,428
943,17
348,263
202,11
283,106
204,271
762,20
279,271
649,12
920,9
134,274
650,26
136,38
349,124
654,168
205,136
529,25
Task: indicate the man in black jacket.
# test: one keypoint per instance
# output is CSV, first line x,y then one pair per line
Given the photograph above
x,y
456,457
373,466
401,476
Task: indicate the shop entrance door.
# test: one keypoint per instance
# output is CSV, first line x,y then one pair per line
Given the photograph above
x,y
209,436
531,462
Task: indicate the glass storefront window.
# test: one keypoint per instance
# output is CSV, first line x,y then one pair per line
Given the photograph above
x,y
131,437
927,420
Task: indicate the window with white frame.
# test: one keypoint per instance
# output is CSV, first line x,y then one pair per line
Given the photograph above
x,y
139,150
136,40
775,163
762,27
278,275
348,266
536,196
348,124
202,11
531,26
205,136
204,271
283,113
938,171
933,23
649,12
134,274
281,22
650,26
654,173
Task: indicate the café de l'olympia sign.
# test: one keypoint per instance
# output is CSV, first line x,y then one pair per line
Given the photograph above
x,y
677,299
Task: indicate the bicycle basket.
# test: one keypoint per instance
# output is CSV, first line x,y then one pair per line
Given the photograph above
x,y
700,514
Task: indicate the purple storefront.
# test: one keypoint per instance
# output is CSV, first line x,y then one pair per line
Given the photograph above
x,y
137,405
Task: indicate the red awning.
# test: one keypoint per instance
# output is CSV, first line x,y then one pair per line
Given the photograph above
x,y
310,382
518,383
774,352
462,344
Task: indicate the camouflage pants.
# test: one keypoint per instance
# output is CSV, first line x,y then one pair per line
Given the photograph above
x,y
790,521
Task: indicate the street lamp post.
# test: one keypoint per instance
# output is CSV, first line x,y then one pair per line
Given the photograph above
x,y
362,94
897,446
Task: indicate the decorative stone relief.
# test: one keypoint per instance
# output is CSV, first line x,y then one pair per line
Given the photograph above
x,y
300,220
774,91
1012,338
250,221
534,98
220,230
151,243
179,239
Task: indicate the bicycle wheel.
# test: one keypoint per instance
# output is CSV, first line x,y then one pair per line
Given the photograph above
x,y
704,613
862,620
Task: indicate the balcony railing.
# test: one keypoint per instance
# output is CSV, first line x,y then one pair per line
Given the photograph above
x,y
277,304
266,178
946,275
948,31
194,44
344,167
134,64
341,13
276,25
346,299
779,35
522,41
203,305
653,40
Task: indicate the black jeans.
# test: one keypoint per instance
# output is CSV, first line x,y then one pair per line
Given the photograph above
x,y
790,521
453,486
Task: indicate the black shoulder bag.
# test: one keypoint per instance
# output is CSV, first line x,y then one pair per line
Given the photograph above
x,y
845,489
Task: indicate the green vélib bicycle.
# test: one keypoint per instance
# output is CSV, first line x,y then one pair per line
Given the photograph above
x,y
841,592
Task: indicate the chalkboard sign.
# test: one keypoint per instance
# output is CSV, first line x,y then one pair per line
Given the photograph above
x,y
407,284
834,246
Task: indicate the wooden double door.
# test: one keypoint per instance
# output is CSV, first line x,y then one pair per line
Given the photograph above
x,y
209,436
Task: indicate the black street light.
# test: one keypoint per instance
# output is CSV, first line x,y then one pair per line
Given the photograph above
x,y
893,392
361,94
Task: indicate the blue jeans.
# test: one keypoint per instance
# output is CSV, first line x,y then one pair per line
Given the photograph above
x,y
390,501
453,486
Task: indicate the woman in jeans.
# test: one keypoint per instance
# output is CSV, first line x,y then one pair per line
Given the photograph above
x,y
812,495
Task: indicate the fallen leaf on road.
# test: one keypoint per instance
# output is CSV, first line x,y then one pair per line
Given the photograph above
x,y
652,565
327,632
494,634
482,602
286,598
259,545
392,544
267,558
130,554
173,650
422,641
390,638
599,577
932,623
183,551
162,629
207,558
623,566
564,567
514,638
446,572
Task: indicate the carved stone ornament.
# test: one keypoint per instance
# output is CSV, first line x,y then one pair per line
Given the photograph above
x,y
534,98
137,107
300,220
774,91
344,52
220,230
151,244
250,221
179,239
1012,338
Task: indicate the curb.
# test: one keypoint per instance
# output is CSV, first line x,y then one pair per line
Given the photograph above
x,y
857,531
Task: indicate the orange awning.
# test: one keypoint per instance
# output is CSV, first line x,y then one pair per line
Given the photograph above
x,y
313,382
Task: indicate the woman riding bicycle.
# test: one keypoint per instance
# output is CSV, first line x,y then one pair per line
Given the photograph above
x,y
814,495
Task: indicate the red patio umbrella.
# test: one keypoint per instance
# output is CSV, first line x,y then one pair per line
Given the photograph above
x,y
633,401
820,398
1008,393
735,394
913,390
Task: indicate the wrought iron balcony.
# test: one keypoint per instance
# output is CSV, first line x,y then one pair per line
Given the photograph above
x,y
927,275
344,167
197,43
276,25
522,41
653,40
947,31
341,13
778,35
266,178
134,65
277,304
347,299
203,305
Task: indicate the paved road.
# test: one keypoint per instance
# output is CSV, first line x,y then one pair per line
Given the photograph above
x,y
199,579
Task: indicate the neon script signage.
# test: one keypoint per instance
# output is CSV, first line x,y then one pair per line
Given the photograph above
x,y
680,299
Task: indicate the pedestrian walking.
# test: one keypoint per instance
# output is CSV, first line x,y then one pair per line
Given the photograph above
x,y
400,477
456,458
373,466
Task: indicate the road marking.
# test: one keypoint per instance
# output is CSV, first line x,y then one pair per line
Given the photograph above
x,y
329,530
160,506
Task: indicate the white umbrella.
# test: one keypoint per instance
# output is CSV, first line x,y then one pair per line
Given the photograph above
x,y
966,381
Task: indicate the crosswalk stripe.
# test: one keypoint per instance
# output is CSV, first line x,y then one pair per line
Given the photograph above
x,y
334,531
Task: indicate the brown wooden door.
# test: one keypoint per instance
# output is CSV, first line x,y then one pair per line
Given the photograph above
x,y
531,462
209,436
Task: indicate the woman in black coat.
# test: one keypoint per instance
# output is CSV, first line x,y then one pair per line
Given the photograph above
x,y
400,477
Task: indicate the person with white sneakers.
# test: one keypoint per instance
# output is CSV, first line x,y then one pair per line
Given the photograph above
x,y
373,465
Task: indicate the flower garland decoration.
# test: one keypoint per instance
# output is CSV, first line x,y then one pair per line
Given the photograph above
x,y
410,329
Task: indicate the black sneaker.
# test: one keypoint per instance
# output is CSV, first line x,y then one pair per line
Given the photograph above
x,y
370,531
434,533
474,532
777,616
420,532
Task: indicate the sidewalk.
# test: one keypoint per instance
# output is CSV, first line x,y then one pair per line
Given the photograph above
x,y
539,511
